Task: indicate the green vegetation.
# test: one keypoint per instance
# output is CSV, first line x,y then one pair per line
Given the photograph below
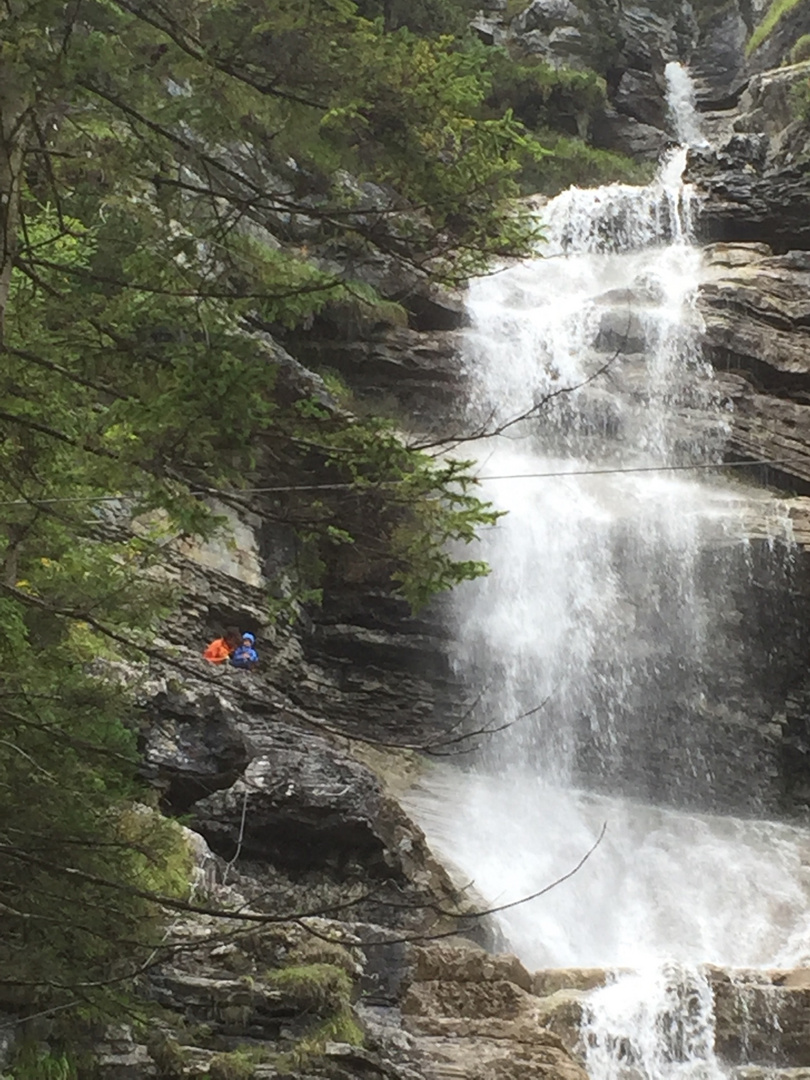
x,y
777,10
513,8
340,1028
314,950
559,106
801,50
236,1065
800,99
542,96
428,18
572,161
178,183
33,1063
182,185
321,989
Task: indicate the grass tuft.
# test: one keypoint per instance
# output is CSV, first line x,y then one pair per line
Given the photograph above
x,y
777,11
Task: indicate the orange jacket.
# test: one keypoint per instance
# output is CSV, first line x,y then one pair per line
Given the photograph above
x,y
218,651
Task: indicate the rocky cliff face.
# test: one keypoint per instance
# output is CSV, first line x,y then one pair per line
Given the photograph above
x,y
334,894
755,176
754,182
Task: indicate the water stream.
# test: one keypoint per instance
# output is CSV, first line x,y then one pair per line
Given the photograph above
x,y
614,616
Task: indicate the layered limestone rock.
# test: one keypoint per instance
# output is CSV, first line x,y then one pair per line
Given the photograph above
x,y
720,61
361,662
476,1018
762,1017
255,993
462,1013
756,313
755,177
274,767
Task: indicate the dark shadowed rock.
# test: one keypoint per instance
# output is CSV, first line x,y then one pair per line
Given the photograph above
x,y
718,62
627,135
191,746
648,34
419,370
640,95
305,805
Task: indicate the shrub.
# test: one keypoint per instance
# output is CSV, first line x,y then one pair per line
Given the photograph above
x,y
542,96
236,1065
801,50
340,1028
323,989
32,1062
573,162
317,951
800,99
168,1055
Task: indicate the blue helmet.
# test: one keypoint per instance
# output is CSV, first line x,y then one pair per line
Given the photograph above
x,y
248,637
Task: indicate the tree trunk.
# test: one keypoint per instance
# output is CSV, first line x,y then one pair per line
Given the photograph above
x,y
16,103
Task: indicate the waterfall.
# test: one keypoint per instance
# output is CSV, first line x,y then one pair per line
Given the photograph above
x,y
610,631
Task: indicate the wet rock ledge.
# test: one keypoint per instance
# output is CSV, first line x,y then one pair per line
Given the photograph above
x,y
461,1013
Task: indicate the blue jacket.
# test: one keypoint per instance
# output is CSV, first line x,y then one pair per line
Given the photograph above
x,y
244,656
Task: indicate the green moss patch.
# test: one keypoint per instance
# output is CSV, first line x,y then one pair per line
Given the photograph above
x,y
322,989
777,11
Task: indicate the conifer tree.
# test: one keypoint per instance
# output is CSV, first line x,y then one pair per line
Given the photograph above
x,y
178,181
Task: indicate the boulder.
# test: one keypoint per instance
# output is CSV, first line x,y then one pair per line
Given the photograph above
x,y
621,331
191,744
488,29
533,1054
304,805
627,135
561,1012
568,47
118,1056
551,980
639,95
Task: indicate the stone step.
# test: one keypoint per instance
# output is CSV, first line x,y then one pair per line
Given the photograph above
x,y
760,1072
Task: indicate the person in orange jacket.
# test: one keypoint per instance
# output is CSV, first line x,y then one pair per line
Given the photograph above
x,y
221,649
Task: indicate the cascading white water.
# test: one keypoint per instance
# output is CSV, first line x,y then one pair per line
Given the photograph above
x,y
611,604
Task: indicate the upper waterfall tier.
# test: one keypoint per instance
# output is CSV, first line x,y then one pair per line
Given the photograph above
x,y
623,628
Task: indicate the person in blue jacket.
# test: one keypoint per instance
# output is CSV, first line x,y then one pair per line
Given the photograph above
x,y
245,656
